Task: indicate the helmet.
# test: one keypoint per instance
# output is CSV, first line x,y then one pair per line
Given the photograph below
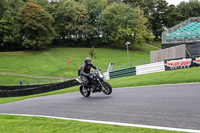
x,y
87,60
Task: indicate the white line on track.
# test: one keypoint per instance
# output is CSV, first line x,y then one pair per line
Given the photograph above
x,y
113,123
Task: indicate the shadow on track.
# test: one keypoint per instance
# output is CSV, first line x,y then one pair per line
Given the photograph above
x,y
95,98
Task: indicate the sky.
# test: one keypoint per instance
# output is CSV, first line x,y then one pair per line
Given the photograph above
x,y
175,2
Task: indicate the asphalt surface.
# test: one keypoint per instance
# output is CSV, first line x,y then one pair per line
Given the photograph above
x,y
176,106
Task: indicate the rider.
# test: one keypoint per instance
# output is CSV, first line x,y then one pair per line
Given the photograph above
x,y
85,70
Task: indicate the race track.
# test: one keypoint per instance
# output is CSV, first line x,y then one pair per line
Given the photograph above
x,y
176,106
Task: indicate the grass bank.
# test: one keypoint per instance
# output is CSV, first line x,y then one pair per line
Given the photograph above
x,y
51,62
21,124
156,43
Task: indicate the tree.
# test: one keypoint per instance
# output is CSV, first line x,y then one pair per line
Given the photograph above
x,y
116,22
33,26
94,9
76,20
8,13
111,1
188,9
121,23
141,32
6,29
42,3
2,7
71,20
157,16
145,5
171,17
58,13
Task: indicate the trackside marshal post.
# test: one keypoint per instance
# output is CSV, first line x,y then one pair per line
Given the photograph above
x,y
68,62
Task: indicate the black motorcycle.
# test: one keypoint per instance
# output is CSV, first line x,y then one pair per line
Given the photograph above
x,y
96,84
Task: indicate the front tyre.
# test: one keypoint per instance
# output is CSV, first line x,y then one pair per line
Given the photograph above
x,y
108,88
84,91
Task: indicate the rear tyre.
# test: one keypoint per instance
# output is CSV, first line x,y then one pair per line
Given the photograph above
x,y
84,91
108,88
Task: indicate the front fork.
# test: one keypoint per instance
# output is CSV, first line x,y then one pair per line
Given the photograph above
x,y
103,88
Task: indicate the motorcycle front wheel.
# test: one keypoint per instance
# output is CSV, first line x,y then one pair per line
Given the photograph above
x,y
108,88
84,91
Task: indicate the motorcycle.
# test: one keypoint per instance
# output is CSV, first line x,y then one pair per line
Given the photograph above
x,y
96,84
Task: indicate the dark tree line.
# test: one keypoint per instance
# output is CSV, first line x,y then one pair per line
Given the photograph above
x,y
36,24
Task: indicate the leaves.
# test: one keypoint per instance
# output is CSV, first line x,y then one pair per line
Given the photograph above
x,y
90,22
33,26
77,20
141,32
121,23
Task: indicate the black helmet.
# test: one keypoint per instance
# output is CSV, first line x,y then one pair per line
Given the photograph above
x,y
87,60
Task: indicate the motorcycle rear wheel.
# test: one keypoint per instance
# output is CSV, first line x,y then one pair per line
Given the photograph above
x,y
108,88
84,91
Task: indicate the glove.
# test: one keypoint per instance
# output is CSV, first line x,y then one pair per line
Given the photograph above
x,y
98,69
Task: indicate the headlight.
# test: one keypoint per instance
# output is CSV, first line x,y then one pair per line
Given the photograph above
x,y
101,75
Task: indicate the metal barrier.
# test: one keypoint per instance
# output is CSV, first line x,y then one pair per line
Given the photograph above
x,y
150,68
123,73
131,71
106,75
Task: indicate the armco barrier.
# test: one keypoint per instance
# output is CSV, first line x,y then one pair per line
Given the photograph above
x,y
150,68
106,75
138,70
123,73
38,89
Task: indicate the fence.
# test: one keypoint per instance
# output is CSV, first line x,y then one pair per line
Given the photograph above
x,y
10,91
168,53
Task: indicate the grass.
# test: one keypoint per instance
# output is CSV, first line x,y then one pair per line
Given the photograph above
x,y
22,124
156,43
188,75
51,62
